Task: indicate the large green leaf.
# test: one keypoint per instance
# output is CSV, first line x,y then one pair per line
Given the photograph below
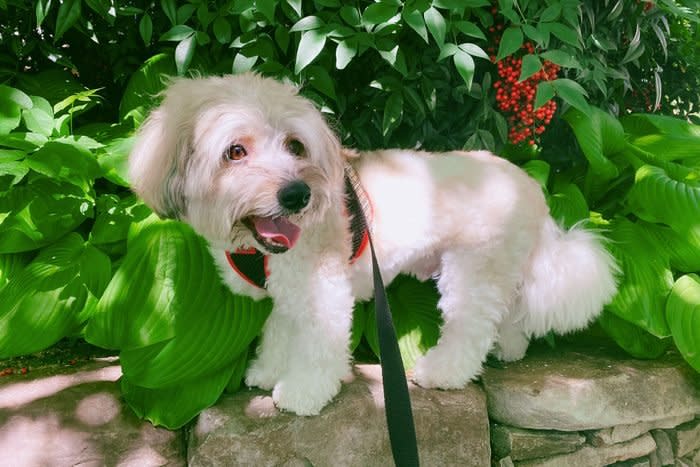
x,y
660,195
45,301
416,318
40,212
175,406
646,278
141,93
683,314
682,249
180,303
600,136
10,265
567,204
114,218
667,138
633,339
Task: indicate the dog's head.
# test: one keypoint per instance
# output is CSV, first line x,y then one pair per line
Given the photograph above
x,y
244,159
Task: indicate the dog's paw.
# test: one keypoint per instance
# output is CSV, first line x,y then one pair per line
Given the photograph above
x,y
261,376
510,352
444,372
304,396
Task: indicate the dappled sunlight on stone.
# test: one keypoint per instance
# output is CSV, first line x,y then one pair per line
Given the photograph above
x,y
17,394
261,407
42,440
97,409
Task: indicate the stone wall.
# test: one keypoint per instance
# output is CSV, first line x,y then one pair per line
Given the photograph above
x,y
593,406
577,405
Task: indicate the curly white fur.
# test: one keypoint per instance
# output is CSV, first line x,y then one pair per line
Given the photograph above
x,y
474,222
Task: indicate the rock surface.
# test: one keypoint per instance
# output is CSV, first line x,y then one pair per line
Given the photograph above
x,y
246,429
519,444
598,456
74,416
590,388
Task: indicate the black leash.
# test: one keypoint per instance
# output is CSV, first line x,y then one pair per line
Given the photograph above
x,y
397,402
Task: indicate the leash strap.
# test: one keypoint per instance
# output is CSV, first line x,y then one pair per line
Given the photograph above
x,y
397,402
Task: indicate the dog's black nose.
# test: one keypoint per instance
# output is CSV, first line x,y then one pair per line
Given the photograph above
x,y
294,196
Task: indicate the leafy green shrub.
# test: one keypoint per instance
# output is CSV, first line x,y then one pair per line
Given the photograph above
x,y
81,256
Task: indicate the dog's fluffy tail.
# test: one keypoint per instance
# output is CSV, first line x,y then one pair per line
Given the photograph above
x,y
570,277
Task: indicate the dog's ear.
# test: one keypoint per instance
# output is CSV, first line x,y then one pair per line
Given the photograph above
x,y
154,172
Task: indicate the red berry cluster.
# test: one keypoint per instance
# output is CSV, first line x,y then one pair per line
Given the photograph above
x,y
516,98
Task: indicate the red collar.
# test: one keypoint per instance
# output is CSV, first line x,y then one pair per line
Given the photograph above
x,y
252,265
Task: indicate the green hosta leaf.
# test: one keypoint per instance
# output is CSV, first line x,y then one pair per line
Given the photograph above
x,y
568,205
465,66
416,318
600,136
174,407
633,339
160,327
531,65
307,23
267,8
10,265
68,13
683,250
40,212
141,93
415,21
511,41
41,10
539,170
658,197
436,25
310,45
683,314
646,279
667,138
43,302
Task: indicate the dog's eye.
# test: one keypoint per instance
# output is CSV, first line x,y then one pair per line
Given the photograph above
x,y
235,152
294,146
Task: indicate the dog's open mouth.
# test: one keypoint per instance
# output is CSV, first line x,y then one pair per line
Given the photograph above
x,y
275,234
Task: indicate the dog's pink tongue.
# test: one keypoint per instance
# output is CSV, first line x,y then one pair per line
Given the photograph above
x,y
277,229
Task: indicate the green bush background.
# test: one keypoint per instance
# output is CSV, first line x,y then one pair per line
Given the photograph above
x,y
80,256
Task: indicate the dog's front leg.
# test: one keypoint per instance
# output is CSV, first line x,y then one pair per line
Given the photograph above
x,y
305,348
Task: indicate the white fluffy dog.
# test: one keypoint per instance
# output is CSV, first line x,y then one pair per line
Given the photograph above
x,y
251,164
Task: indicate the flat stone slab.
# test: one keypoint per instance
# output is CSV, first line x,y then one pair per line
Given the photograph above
x,y
574,388
246,429
67,416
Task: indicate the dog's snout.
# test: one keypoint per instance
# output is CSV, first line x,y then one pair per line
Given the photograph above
x,y
294,196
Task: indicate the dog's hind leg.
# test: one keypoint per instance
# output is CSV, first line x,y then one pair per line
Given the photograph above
x,y
474,297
